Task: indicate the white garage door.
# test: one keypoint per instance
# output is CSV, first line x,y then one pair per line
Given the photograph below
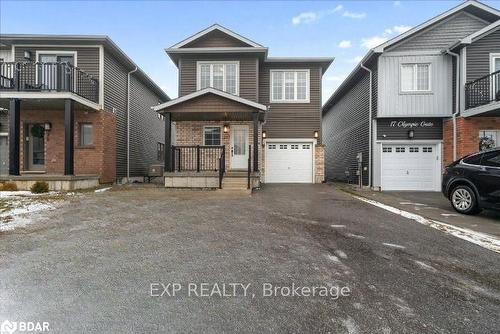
x,y
410,167
289,162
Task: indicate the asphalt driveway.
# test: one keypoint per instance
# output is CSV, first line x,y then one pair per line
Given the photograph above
x,y
88,267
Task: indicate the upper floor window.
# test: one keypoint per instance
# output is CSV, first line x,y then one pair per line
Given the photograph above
x,y
415,78
290,86
219,75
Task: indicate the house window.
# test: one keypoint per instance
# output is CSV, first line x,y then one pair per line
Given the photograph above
x,y
387,149
488,139
414,150
219,75
211,136
272,146
306,147
290,86
415,77
427,149
86,134
160,151
400,149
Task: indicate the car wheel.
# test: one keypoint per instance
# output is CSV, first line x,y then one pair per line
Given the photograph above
x,y
463,199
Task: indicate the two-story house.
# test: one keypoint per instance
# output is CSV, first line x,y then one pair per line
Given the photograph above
x,y
242,117
75,111
417,102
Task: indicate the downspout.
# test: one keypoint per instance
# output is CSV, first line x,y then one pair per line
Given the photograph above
x,y
457,102
369,125
128,123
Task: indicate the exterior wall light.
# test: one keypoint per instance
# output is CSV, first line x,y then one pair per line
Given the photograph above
x,y
47,126
264,135
27,55
411,134
226,128
316,134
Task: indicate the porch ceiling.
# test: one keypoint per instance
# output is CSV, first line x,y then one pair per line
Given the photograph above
x,y
215,116
44,104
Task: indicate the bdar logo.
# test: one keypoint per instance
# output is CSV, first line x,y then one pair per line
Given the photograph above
x,y
8,327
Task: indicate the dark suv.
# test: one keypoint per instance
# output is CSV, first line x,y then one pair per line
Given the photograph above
x,y
473,183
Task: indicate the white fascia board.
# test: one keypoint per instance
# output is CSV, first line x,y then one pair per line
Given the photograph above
x,y
50,96
209,91
435,19
212,28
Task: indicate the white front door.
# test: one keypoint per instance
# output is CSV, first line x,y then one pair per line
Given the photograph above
x,y
239,147
411,167
289,162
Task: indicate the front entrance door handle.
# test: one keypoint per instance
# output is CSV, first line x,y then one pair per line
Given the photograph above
x,y
232,151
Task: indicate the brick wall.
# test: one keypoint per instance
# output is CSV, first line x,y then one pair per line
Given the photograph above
x,y
98,159
319,163
191,133
467,135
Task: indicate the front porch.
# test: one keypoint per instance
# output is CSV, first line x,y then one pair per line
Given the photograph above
x,y
60,141
213,140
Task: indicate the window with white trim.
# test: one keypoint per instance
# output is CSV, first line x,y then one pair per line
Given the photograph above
x,y
290,86
212,135
415,77
219,75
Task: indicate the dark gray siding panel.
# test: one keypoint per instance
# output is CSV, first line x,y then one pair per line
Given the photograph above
x,y
87,58
292,120
146,129
346,133
248,73
442,34
115,100
216,39
478,55
4,121
397,128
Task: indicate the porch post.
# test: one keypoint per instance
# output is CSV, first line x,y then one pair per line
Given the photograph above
x,y
14,136
255,117
69,135
168,142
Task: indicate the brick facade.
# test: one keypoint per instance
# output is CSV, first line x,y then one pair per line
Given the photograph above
x,y
467,135
319,163
98,159
191,133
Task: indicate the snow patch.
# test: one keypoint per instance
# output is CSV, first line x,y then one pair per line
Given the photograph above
x,y
350,325
333,258
425,266
357,236
341,254
393,245
102,190
481,239
337,226
411,203
449,215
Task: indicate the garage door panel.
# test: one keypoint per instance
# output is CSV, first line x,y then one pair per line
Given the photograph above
x,y
409,167
288,162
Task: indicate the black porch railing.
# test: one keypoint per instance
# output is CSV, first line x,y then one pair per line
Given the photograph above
x,y
197,158
483,90
56,77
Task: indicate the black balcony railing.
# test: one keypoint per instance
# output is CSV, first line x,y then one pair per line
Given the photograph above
x,y
54,77
483,90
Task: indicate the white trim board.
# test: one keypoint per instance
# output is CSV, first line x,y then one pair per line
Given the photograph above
x,y
50,96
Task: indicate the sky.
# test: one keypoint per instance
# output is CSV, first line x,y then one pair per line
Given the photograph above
x,y
143,29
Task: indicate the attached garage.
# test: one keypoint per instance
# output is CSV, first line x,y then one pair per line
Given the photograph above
x,y
289,162
411,167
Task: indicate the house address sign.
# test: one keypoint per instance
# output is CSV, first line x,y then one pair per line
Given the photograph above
x,y
411,124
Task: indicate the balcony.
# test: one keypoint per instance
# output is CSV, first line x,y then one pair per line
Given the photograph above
x,y
483,91
48,77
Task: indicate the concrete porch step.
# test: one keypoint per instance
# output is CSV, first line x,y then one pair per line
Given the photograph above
x,y
234,182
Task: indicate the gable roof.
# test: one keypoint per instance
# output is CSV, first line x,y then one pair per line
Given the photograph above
x,y
471,5
209,90
477,35
213,27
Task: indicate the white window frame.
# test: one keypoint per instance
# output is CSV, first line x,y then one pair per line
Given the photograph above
x,y
493,56
212,126
494,132
295,100
81,126
211,63
415,78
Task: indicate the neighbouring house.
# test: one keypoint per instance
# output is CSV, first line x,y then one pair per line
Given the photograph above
x,y
417,102
242,117
76,112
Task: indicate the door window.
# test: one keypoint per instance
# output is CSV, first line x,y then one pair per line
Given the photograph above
x,y
491,159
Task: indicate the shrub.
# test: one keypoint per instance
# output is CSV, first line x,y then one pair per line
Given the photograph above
x,y
40,187
8,186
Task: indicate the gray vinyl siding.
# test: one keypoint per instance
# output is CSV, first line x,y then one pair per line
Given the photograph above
x,y
146,129
478,55
292,120
248,73
87,58
115,100
393,102
440,35
346,132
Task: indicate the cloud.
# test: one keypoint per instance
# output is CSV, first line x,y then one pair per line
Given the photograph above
x,y
353,15
401,29
373,41
309,17
345,44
